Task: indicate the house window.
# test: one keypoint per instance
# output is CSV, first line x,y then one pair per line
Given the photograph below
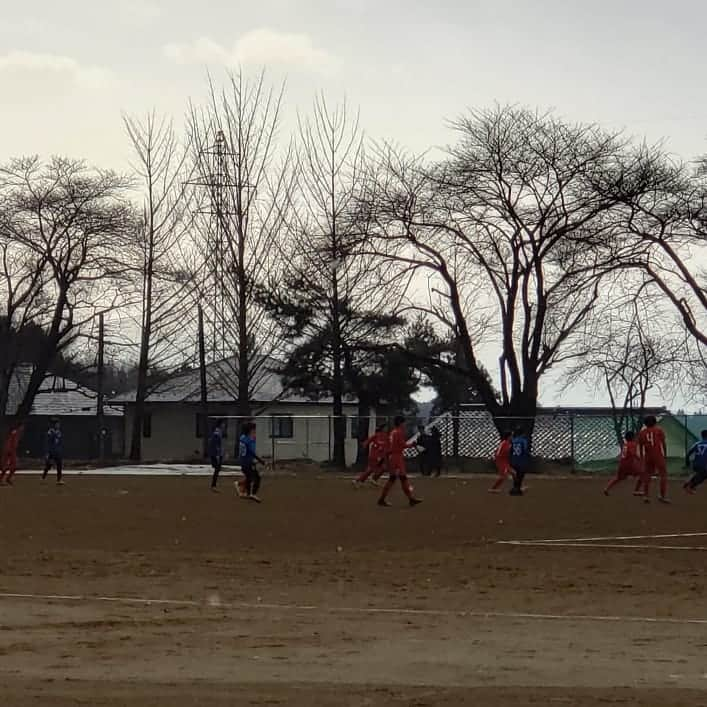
x,y
147,425
282,428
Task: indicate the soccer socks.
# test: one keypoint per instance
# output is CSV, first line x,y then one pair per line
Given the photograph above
x,y
386,489
407,488
255,483
646,484
611,484
663,485
499,482
363,476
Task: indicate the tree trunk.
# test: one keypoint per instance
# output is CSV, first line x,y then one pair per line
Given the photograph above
x,y
520,413
339,451
140,397
45,359
243,339
144,360
204,400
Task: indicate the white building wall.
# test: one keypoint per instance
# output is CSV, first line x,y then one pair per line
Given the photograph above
x,y
174,432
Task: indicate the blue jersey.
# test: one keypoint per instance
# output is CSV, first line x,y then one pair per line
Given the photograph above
x,y
216,443
699,450
246,450
520,450
54,443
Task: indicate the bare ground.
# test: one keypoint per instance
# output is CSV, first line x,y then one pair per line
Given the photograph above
x,y
319,597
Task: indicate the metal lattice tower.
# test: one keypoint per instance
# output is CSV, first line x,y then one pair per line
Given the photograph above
x,y
214,163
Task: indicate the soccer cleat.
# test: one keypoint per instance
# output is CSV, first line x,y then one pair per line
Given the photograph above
x,y
374,482
382,502
357,484
60,483
415,502
663,499
639,493
214,490
689,489
254,498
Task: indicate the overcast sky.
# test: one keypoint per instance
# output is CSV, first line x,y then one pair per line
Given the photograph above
x,y
68,68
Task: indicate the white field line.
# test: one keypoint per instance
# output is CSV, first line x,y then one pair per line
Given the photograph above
x,y
301,608
603,538
611,546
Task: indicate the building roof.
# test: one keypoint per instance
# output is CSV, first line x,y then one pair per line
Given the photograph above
x,y
577,410
221,382
57,397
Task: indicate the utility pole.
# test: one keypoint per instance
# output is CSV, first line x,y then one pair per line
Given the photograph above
x,y
202,380
100,389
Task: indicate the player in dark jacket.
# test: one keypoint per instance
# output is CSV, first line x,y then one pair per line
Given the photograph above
x,y
54,452
216,452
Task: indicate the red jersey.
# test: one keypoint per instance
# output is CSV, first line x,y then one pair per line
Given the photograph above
x,y
503,451
377,445
398,443
629,450
652,442
10,448
629,459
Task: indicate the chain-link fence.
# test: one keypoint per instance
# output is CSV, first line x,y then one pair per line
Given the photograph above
x,y
292,438
577,441
581,441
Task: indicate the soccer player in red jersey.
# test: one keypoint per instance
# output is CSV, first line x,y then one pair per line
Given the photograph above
x,y
398,445
629,462
9,455
377,445
502,460
651,442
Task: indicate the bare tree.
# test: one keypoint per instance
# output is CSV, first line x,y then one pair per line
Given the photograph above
x,y
331,302
669,223
512,236
246,179
632,350
23,277
66,221
155,257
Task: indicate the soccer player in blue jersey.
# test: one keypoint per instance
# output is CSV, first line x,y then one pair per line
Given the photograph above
x,y
247,458
520,459
55,452
699,464
216,452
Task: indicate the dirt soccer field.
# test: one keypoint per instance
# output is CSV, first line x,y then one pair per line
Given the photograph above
x,y
153,591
